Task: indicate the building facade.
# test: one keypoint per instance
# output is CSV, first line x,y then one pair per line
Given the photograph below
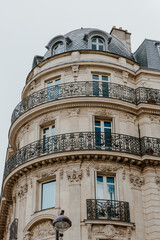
x,y
85,138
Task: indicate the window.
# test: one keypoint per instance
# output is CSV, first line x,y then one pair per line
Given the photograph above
x,y
106,187
98,43
100,85
48,199
53,90
103,134
58,48
48,138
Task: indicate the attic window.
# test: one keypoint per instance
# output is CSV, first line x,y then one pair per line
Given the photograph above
x,y
98,44
58,48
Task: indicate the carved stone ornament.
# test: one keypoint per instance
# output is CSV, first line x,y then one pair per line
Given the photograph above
x,y
47,173
89,227
74,176
61,173
136,180
28,236
46,118
75,70
103,112
22,190
43,231
73,112
157,180
125,76
109,231
106,168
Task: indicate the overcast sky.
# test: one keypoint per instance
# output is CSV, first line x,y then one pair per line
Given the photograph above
x,y
26,26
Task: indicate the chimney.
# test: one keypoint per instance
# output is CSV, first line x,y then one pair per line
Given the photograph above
x,y
123,35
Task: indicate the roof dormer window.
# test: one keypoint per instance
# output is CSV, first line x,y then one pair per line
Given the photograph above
x,y
98,43
58,48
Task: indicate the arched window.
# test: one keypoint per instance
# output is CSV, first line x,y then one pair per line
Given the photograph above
x,y
98,44
58,48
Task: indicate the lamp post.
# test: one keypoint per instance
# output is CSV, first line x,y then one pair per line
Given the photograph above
x,y
61,224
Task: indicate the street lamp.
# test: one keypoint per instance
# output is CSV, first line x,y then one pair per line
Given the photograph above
x,y
61,224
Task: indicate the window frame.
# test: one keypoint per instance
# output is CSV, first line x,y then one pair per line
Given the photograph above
x,y
57,43
105,185
158,48
97,43
41,193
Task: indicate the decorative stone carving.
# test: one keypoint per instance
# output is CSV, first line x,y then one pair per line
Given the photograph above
x,y
74,176
73,112
46,118
22,190
109,231
123,174
61,173
46,173
136,180
157,180
125,76
87,171
103,112
106,168
89,227
43,231
75,70
28,236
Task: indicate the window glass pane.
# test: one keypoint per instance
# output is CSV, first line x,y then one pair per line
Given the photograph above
x,y
110,192
58,81
97,123
49,84
100,179
100,47
100,193
107,124
48,194
53,130
46,132
95,77
100,40
110,179
94,40
94,47
105,78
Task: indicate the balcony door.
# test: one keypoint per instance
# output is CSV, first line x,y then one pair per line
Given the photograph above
x,y
103,134
100,85
53,90
48,138
105,187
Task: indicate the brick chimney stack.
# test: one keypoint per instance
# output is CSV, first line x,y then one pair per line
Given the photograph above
x,y
122,35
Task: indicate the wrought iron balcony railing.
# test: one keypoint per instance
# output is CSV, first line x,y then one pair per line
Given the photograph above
x,y
73,142
147,95
150,146
101,209
75,89
13,229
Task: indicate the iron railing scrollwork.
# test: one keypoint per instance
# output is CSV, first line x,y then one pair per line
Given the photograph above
x,y
13,229
73,142
101,209
83,141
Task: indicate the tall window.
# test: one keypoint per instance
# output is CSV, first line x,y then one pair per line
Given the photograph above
x,y
100,85
98,43
106,187
103,134
58,48
48,138
53,89
48,199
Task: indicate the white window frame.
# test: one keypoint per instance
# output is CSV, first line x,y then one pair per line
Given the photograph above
x,y
97,43
58,43
102,124
105,184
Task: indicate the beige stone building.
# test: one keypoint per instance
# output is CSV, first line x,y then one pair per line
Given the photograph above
x,y
86,139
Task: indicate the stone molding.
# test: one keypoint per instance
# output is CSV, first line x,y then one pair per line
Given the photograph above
x,y
73,112
136,181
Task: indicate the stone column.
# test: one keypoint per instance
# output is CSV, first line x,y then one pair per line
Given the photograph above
x,y
74,177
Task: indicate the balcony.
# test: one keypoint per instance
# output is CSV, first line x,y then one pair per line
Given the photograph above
x,y
78,141
87,89
13,229
100,209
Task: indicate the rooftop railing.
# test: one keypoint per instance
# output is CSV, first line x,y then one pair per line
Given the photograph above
x,y
87,89
101,209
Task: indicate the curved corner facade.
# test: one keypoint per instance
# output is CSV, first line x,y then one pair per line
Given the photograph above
x,y
85,139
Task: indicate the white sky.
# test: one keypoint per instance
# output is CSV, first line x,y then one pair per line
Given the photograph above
x,y
26,26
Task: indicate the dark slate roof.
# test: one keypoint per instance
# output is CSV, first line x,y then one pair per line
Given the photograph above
x,y
78,42
147,54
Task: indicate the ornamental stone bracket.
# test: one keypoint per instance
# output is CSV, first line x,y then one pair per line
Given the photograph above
x,y
136,181
74,176
75,71
157,181
22,190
